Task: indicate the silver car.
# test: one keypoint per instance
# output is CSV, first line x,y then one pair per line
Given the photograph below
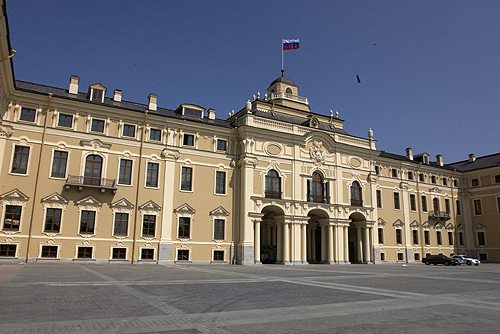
x,y
462,259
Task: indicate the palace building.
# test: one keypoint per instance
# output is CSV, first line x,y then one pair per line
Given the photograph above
x,y
87,176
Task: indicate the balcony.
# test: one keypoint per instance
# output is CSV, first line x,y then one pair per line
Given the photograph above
x,y
356,202
273,194
439,215
90,182
318,199
290,97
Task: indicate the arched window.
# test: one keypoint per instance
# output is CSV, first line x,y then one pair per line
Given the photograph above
x,y
317,189
356,198
435,204
273,184
93,168
288,91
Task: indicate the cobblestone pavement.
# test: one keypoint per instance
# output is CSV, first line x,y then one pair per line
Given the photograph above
x,y
385,298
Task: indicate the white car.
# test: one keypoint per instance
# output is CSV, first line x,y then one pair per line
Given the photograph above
x,y
462,259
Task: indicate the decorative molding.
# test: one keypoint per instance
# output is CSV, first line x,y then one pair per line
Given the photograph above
x,y
317,153
219,212
170,154
14,197
6,131
122,205
150,207
54,201
95,144
89,202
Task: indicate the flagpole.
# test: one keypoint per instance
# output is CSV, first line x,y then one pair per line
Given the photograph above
x,y
282,69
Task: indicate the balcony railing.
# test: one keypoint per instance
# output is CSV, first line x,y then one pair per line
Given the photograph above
x,y
285,96
90,182
318,199
273,194
439,215
356,202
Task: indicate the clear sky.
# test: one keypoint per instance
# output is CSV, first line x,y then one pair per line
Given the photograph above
x,y
429,70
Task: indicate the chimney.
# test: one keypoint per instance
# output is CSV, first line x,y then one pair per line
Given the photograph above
x,y
118,95
439,159
472,157
409,153
152,101
73,84
211,114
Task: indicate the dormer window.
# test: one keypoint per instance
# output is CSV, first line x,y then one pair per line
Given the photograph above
x,y
288,91
96,92
192,112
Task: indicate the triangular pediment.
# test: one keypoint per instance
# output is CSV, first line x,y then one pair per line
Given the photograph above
x,y
415,224
122,205
98,86
381,222
479,227
55,198
426,225
450,227
89,202
220,211
185,209
150,206
14,196
460,227
438,226
398,223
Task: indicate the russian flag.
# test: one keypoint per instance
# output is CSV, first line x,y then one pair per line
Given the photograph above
x,y
290,44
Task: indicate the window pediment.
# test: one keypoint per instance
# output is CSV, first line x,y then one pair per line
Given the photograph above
x,y
398,224
220,211
89,203
14,197
184,210
150,207
54,201
122,205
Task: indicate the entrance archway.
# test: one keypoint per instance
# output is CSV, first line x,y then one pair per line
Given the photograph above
x,y
359,239
269,233
317,238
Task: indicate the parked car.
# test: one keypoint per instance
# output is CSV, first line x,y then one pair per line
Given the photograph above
x,y
439,259
462,259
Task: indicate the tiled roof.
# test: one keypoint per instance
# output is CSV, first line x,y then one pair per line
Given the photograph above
x,y
62,93
384,154
480,163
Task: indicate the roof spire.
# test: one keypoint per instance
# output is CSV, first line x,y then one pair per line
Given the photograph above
x,y
282,72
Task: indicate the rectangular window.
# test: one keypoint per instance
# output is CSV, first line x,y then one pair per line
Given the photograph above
x,y
121,224
188,140
65,120
147,254
413,202
219,255
186,177
219,229
459,208
475,182
59,164
84,252
49,251
20,162
416,256
401,257
399,236
394,172
148,225
498,204
396,201
184,227
424,203
183,255
377,170
433,179
415,237
379,199
155,134
447,205
119,253
483,257
481,240
439,238
427,239
191,112
53,220
87,222
221,145
97,125
450,238
220,182
455,183
421,177
97,94
445,181
27,115
381,235
12,217
125,176
152,175
497,178
8,250
410,175
382,256
128,130
477,207
461,238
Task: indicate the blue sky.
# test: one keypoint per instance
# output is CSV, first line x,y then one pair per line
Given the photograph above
x,y
429,70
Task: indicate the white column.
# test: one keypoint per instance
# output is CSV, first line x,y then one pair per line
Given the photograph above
x,y
304,242
323,243
330,243
256,248
346,244
286,243
371,235
279,243
366,245
313,244
359,248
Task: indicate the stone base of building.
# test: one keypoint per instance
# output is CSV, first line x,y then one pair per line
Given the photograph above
x,y
244,255
165,255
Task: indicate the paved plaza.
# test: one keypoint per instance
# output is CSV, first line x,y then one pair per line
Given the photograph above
x,y
386,298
